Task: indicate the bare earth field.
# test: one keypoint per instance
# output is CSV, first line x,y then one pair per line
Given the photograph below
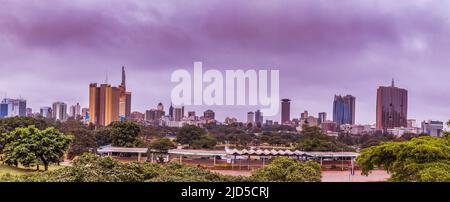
x,y
330,176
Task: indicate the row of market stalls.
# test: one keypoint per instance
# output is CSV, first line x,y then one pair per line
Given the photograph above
x,y
257,157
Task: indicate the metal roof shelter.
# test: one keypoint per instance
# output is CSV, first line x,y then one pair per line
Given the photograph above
x,y
109,150
287,152
195,152
122,150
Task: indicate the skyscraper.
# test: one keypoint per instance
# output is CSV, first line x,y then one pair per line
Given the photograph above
x,y
344,110
182,112
124,98
258,117
304,115
171,111
209,115
178,114
29,112
85,114
154,114
108,104
103,104
392,107
160,107
250,117
74,110
59,111
3,110
285,111
13,107
322,117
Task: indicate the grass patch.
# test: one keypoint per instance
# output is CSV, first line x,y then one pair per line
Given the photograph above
x,y
4,169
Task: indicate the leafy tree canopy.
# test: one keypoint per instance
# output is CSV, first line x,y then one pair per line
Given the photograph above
x,y
312,139
125,134
162,144
189,133
285,169
30,146
423,158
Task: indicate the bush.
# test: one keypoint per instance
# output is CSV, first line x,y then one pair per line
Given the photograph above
x,y
285,169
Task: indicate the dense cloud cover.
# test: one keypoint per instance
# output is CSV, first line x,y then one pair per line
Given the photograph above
x,y
51,51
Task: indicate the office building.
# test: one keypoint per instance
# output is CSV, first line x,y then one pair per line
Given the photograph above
x,y
250,117
103,104
137,116
344,110
209,115
13,107
285,111
59,111
171,111
304,115
328,126
178,114
74,111
411,123
46,112
85,115
154,114
433,128
322,118
392,107
124,98
29,112
258,117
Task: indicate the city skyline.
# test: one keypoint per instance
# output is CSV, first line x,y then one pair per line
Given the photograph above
x,y
320,51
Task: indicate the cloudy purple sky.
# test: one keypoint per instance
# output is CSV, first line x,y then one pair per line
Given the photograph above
x,y
51,51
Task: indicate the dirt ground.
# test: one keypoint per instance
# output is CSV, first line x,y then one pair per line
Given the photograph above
x,y
330,176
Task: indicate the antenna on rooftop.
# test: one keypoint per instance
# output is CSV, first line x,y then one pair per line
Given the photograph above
x,y
393,83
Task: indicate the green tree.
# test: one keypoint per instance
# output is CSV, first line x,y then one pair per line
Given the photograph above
x,y
205,142
190,133
84,141
162,144
30,146
312,139
423,158
103,136
285,169
9,124
125,134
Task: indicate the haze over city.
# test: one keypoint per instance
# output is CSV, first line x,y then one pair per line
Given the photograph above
x,y
52,53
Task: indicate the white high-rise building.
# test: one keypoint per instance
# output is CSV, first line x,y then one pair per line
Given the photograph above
x,y
59,111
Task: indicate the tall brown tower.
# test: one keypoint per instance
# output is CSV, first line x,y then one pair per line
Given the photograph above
x,y
392,107
103,104
285,111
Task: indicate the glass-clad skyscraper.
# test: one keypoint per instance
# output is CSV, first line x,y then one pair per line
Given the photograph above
x,y
344,110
